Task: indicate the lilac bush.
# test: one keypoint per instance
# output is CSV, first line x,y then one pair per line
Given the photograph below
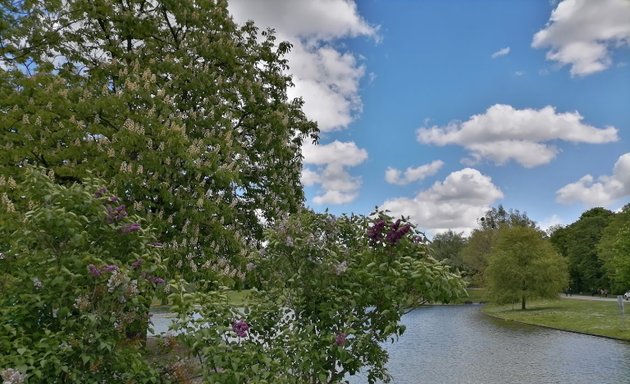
x,y
76,286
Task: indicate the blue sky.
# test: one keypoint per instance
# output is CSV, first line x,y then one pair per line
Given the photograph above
x,y
439,110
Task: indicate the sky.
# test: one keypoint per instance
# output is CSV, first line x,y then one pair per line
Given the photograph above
x,y
441,109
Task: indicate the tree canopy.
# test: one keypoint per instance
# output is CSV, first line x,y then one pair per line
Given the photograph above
x,y
523,265
578,243
183,112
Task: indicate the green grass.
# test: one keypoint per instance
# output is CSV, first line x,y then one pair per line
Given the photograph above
x,y
235,298
601,318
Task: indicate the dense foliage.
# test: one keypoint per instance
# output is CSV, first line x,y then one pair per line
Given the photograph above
x,y
613,250
182,111
343,284
77,276
447,247
523,265
578,243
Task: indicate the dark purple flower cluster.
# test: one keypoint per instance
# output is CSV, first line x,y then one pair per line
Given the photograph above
x,y
375,232
101,192
94,271
391,235
156,280
136,264
115,214
110,268
130,228
240,327
340,339
397,232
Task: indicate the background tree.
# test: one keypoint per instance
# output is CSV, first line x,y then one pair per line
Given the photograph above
x,y
182,111
498,217
523,265
578,243
613,250
479,245
447,247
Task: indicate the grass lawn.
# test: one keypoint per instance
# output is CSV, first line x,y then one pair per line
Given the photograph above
x,y
601,318
235,298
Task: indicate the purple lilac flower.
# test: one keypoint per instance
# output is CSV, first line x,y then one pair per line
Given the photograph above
x,y
136,264
130,228
95,272
375,232
156,244
101,192
397,233
240,327
115,214
156,280
340,339
110,268
113,199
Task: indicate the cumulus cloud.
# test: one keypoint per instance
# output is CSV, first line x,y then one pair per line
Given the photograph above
x,y
326,167
411,174
326,77
504,133
454,203
601,191
501,52
581,33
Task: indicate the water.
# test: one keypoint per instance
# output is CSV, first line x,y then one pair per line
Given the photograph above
x,y
458,344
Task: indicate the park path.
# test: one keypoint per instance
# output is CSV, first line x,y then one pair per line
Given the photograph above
x,y
591,298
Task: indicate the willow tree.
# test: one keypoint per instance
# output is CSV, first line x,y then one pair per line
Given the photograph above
x,y
183,111
523,265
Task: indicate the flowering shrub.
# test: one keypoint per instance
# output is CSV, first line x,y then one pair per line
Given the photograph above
x,y
332,291
76,288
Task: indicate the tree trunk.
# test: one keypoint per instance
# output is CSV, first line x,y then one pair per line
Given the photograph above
x,y
523,302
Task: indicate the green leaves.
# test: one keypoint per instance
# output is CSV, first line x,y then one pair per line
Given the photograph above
x,y
523,265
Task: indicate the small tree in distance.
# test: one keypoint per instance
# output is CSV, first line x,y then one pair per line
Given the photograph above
x,y
523,265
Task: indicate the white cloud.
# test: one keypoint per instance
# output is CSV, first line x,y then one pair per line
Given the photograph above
x,y
455,203
581,32
326,77
503,133
601,192
410,175
550,221
501,52
326,166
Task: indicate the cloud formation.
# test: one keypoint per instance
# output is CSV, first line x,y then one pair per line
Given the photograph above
x,y
601,192
326,166
455,203
410,175
326,77
501,52
580,33
504,133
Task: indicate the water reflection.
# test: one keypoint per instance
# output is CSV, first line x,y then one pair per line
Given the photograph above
x,y
461,345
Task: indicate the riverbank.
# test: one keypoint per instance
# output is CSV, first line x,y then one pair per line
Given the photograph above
x,y
598,318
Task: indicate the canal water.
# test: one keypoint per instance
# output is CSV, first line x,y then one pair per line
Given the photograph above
x,y
460,345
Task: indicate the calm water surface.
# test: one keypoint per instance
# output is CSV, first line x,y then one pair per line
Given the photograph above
x,y
458,344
